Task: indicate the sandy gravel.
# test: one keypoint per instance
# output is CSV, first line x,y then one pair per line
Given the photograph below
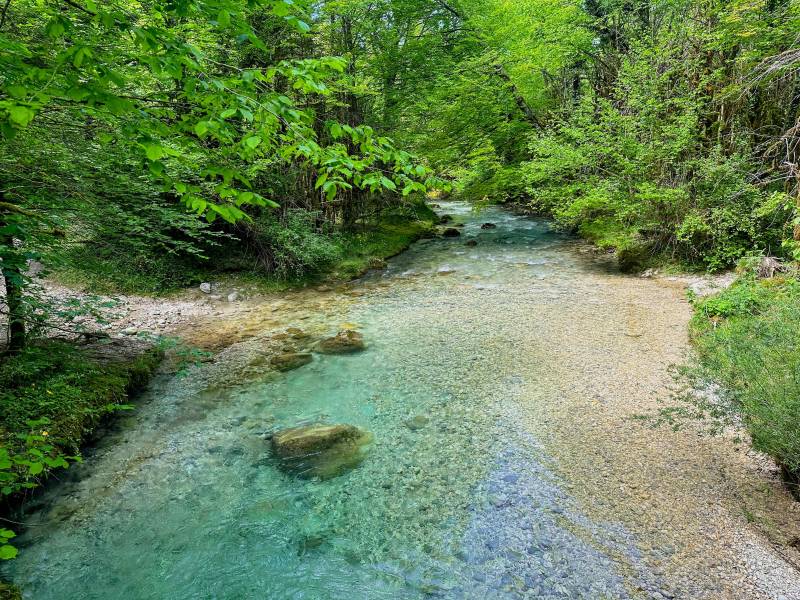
x,y
712,513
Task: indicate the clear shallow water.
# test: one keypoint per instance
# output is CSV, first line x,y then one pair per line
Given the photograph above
x,y
189,503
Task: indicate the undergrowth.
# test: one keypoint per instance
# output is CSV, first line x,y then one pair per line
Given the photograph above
x,y
747,366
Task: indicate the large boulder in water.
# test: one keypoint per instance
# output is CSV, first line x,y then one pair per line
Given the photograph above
x,y
451,232
320,450
344,342
488,226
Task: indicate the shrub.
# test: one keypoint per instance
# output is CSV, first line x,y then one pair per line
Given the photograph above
x,y
291,246
748,342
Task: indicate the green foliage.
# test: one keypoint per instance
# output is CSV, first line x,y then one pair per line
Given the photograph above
x,y
72,390
51,397
293,247
117,123
748,341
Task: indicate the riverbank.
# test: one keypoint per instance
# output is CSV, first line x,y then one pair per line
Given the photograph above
x,y
101,350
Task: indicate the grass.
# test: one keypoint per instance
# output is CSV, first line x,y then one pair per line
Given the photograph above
x,y
68,387
748,341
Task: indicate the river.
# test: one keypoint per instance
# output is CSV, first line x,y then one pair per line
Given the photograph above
x,y
499,384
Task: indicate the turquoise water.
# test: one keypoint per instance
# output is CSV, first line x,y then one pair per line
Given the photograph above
x,y
188,503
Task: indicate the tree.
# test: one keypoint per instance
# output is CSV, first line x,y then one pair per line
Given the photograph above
x,y
156,81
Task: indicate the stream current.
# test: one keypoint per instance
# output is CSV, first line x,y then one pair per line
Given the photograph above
x,y
456,498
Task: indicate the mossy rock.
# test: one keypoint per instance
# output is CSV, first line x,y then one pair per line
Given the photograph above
x,y
289,361
344,342
322,451
451,232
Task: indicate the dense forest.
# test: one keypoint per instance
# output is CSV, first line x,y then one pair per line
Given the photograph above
x,y
151,146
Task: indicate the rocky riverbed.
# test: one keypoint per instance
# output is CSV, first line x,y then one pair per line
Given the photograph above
x,y
499,377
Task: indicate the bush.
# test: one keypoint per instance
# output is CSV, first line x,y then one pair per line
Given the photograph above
x,y
748,341
293,246
638,177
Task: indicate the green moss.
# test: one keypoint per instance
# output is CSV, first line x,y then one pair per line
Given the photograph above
x,y
9,592
363,251
67,386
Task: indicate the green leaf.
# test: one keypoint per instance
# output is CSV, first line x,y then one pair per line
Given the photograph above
x,y
36,468
8,552
154,151
21,115
252,142
55,28
201,128
281,8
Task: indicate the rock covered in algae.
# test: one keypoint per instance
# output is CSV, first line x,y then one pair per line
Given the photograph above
x,y
290,361
322,451
344,342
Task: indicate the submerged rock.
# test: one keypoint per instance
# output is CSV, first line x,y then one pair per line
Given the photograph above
x,y
451,232
417,423
445,219
344,342
471,243
291,360
297,333
488,226
322,451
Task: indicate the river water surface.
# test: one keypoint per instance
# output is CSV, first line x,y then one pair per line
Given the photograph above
x,y
497,384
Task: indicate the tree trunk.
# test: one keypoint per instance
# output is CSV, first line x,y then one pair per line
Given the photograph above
x,y
11,270
522,104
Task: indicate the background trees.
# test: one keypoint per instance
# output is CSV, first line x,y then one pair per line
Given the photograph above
x,y
119,117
